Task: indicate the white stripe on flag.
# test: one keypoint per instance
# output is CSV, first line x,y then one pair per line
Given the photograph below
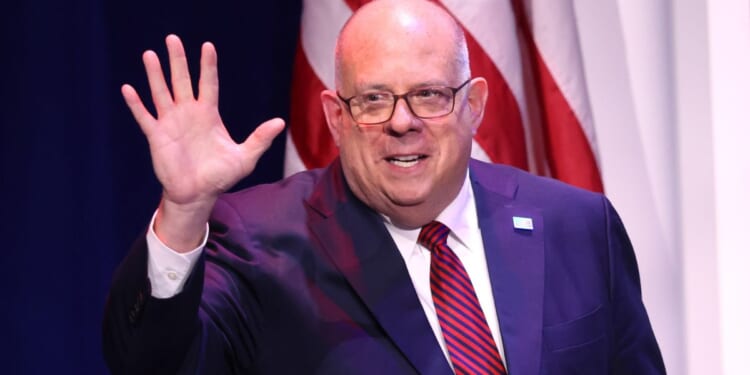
x,y
321,22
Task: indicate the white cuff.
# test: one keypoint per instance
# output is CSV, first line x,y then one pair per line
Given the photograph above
x,y
168,269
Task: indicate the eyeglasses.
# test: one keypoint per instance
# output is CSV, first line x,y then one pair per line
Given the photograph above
x,y
377,107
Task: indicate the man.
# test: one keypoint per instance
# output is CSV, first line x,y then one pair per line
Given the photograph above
x,y
402,257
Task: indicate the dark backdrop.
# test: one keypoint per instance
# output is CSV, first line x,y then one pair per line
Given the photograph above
x,y
77,184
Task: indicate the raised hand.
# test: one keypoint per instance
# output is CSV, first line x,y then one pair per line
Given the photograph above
x,y
194,157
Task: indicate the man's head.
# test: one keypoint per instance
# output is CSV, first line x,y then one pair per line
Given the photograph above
x,y
407,167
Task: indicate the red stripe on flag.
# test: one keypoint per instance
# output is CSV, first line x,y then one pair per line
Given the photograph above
x,y
501,134
569,154
307,123
570,157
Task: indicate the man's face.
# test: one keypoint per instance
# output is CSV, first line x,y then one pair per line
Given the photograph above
x,y
407,168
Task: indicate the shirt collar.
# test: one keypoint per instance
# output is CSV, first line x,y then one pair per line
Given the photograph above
x,y
460,215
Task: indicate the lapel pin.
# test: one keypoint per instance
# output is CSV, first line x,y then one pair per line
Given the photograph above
x,y
524,223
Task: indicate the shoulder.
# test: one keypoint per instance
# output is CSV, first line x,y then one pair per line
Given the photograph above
x,y
561,203
520,185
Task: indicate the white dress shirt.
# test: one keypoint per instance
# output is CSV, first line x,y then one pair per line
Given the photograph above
x,y
168,269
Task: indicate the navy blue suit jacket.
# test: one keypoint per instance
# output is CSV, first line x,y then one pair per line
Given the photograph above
x,y
300,277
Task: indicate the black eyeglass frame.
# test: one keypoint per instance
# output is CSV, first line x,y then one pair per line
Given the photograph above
x,y
405,96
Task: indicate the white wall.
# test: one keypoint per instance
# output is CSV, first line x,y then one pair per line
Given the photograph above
x,y
669,83
729,72
697,192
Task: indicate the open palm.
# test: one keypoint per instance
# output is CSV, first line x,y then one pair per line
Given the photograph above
x,y
194,157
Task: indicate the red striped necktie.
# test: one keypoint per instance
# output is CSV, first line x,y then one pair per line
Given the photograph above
x,y
467,336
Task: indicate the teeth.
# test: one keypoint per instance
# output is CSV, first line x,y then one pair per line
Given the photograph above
x,y
404,161
406,158
404,164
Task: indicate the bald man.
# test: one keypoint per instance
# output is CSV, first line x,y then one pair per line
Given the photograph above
x,y
404,256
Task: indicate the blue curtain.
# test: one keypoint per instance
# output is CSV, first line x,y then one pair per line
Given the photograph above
x,y
77,183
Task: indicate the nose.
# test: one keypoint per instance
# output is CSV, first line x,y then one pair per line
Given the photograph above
x,y
403,119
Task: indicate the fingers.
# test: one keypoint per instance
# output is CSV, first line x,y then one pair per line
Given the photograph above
x,y
260,140
208,84
181,85
139,111
159,91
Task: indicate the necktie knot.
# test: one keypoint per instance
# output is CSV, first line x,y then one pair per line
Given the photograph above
x,y
433,235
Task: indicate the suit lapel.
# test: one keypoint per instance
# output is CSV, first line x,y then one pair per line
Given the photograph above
x,y
359,244
515,258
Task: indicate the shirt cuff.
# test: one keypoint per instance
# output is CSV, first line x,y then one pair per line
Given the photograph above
x,y
168,269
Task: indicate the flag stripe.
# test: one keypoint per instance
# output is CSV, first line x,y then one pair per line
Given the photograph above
x,y
570,154
501,134
309,134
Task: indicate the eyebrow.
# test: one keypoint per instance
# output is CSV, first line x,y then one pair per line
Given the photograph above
x,y
384,87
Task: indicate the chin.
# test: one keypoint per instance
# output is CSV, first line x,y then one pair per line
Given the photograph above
x,y
407,198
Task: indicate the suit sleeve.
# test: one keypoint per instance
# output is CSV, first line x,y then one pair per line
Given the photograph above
x,y
633,342
143,334
200,330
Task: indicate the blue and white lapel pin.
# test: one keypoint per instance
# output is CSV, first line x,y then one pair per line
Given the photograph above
x,y
523,223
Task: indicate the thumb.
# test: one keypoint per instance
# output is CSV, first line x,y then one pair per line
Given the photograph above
x,y
260,140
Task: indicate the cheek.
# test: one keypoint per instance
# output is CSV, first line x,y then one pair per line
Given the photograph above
x,y
455,144
357,153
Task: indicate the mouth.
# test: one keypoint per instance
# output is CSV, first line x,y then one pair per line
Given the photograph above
x,y
405,161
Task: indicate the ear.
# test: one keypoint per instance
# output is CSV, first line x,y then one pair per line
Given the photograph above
x,y
334,112
477,98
